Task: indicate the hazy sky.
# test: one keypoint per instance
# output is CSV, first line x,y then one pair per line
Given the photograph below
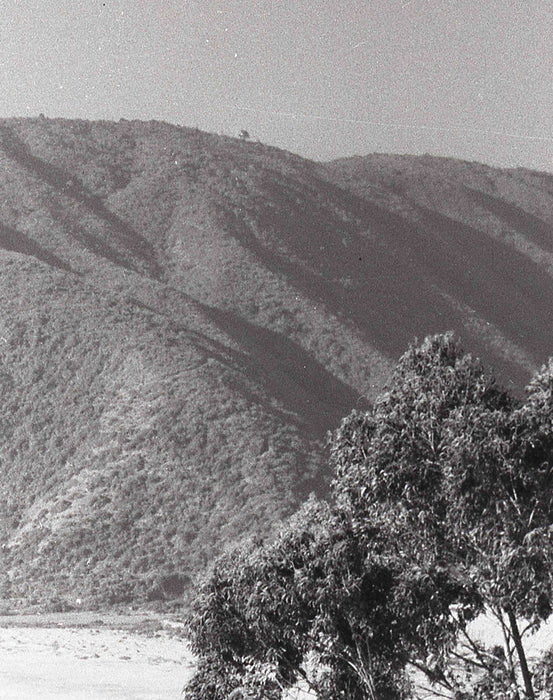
x,y
469,78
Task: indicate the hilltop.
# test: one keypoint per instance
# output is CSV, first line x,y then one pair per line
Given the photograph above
x,y
185,315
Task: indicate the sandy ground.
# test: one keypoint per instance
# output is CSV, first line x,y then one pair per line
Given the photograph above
x,y
90,663
84,656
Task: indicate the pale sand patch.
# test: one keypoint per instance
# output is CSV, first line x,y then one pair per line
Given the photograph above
x,y
91,664
95,663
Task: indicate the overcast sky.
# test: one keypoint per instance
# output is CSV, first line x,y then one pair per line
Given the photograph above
x,y
468,78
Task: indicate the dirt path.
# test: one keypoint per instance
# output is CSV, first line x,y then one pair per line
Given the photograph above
x,y
91,663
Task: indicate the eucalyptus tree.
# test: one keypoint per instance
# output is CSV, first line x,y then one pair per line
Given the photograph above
x,y
320,592
458,470
442,508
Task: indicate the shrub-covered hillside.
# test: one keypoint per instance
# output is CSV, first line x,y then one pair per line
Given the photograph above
x,y
183,317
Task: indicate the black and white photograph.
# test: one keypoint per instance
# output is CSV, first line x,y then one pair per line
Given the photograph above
x,y
276,350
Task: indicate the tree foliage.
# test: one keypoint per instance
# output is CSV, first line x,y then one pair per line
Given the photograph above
x,y
319,590
442,509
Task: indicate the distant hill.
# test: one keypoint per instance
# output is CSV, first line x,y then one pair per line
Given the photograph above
x,y
185,315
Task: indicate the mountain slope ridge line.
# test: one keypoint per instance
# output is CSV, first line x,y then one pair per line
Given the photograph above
x,y
185,315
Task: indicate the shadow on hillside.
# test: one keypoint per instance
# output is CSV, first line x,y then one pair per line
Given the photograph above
x,y
503,285
500,284
306,392
402,272
90,241
67,184
290,373
391,299
13,240
529,225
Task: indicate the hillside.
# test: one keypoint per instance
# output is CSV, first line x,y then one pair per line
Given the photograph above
x,y
185,315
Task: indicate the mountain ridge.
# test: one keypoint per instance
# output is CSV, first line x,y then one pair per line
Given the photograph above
x,y
185,315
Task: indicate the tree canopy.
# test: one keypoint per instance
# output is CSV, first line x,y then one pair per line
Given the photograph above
x,y
442,508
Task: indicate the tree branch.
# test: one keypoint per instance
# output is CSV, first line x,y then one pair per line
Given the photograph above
x,y
527,678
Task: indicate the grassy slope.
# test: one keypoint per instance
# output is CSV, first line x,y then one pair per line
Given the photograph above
x,y
185,315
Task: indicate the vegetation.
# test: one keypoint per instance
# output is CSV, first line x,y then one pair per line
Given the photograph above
x,y
442,510
185,315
